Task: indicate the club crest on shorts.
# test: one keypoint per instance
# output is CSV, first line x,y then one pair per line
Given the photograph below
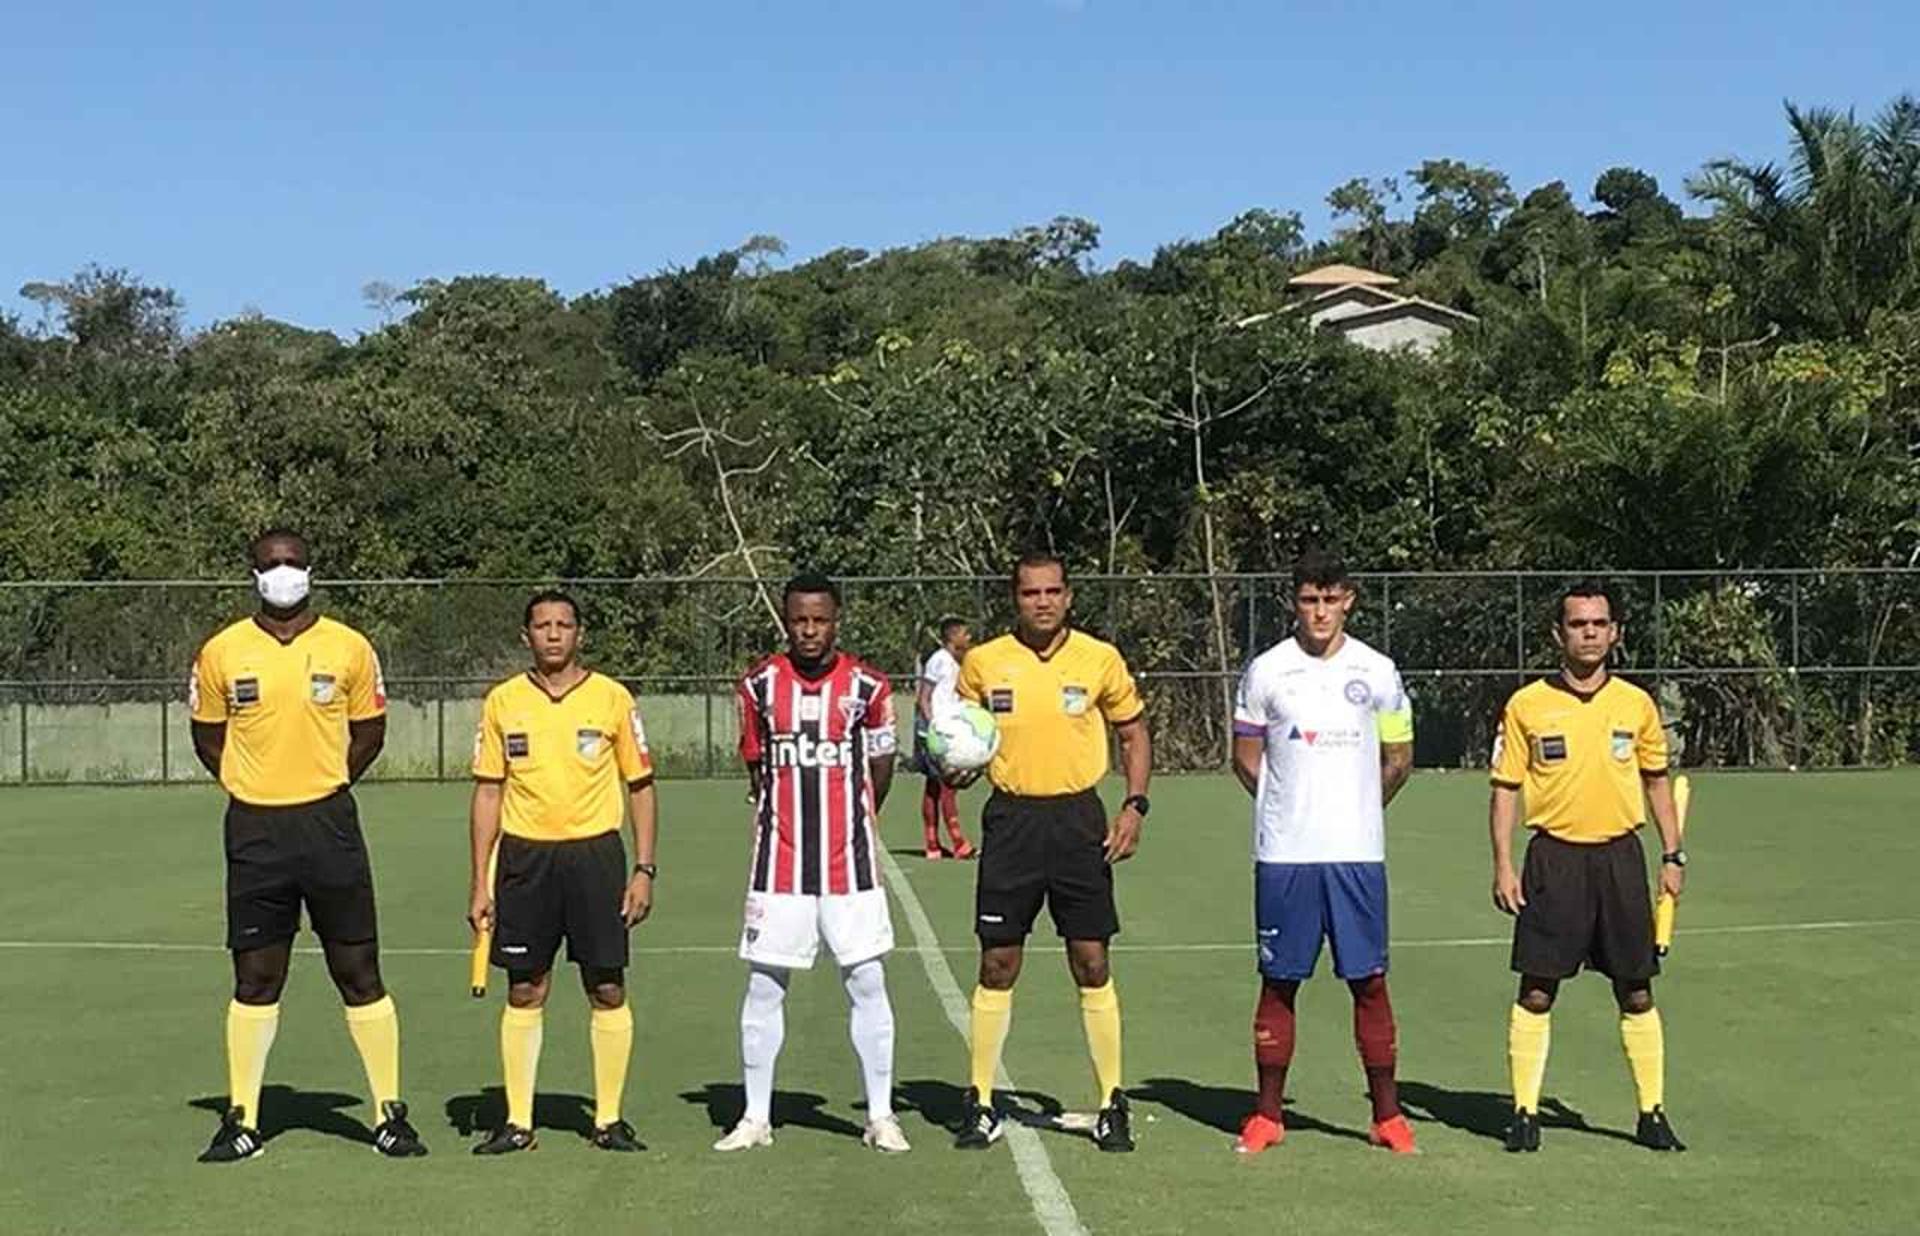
x,y
1356,692
320,688
587,743
1073,700
1622,745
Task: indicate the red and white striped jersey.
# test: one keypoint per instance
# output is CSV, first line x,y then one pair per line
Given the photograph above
x,y
812,738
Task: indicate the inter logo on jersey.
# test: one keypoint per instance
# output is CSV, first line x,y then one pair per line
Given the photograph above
x,y
813,740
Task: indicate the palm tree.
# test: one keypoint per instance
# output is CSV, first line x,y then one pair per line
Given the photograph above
x,y
1820,245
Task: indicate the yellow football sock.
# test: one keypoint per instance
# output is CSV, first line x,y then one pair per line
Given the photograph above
x,y
376,1033
1646,1043
992,1015
612,1033
1100,1013
520,1033
1527,1038
250,1031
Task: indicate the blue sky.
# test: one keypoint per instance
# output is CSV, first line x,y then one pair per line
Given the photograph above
x,y
257,155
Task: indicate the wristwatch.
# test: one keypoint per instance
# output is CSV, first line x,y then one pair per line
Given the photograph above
x,y
1139,803
1678,858
648,870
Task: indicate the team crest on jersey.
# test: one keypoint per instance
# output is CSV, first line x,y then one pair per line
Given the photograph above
x,y
853,709
517,746
587,743
1622,745
1073,701
246,691
1000,699
1356,692
320,688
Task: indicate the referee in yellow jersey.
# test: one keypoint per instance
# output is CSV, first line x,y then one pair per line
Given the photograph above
x,y
1589,755
288,710
1045,837
560,759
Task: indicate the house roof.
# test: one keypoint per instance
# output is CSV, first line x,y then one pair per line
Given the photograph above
x,y
1340,275
1402,306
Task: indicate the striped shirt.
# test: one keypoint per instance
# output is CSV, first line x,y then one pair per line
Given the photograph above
x,y
812,739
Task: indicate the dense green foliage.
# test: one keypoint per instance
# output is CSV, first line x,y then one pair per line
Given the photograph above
x,y
1645,389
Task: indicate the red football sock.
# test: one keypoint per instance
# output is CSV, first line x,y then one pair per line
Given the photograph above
x,y
1373,1035
1273,1044
930,815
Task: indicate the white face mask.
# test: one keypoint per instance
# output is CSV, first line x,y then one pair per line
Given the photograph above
x,y
283,587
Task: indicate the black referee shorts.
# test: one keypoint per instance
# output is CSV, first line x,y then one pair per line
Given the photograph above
x,y
1587,905
1051,850
279,858
547,891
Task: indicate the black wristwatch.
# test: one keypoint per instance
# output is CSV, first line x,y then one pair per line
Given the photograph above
x,y
1139,803
648,870
1678,858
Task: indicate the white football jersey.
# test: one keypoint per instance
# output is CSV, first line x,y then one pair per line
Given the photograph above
x,y
1319,794
942,674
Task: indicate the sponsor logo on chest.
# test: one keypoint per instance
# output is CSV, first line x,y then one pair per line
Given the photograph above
x,y
806,751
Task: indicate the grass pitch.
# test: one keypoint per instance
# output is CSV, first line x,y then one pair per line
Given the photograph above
x,y
1789,1003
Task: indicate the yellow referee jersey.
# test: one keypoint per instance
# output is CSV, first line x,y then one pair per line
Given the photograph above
x,y
286,706
1052,709
1578,759
566,761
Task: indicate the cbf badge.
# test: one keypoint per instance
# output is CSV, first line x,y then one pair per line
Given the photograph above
x,y
320,687
587,742
1622,745
1073,701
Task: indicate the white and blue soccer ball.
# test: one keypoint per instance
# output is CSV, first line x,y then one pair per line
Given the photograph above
x,y
963,738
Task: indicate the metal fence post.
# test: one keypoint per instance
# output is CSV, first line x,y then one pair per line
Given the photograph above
x,y
1799,688
1386,615
1519,628
440,731
1659,626
164,775
23,738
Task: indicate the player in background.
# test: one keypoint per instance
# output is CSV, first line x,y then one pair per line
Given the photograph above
x,y
288,710
560,760
936,693
1045,837
816,734
1323,740
1590,754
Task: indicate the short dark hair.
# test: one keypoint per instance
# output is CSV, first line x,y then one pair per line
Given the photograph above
x,y
1320,568
809,583
551,596
279,532
1591,586
1035,558
950,624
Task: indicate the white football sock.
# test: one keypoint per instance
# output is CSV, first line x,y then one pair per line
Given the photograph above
x,y
870,1022
763,1026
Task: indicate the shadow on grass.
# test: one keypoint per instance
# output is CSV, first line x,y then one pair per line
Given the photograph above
x,y
725,1101
486,1110
1486,1114
283,1108
1224,1107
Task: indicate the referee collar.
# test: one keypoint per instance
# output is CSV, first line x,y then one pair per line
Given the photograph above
x,y
287,642
1066,633
541,687
1559,683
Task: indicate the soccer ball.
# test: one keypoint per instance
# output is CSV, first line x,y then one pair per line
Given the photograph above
x,y
962,739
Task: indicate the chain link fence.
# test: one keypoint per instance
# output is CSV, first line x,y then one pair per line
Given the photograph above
x,y
1776,668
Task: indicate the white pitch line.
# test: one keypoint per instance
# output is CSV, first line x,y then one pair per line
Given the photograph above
x,y
935,949
1051,1205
